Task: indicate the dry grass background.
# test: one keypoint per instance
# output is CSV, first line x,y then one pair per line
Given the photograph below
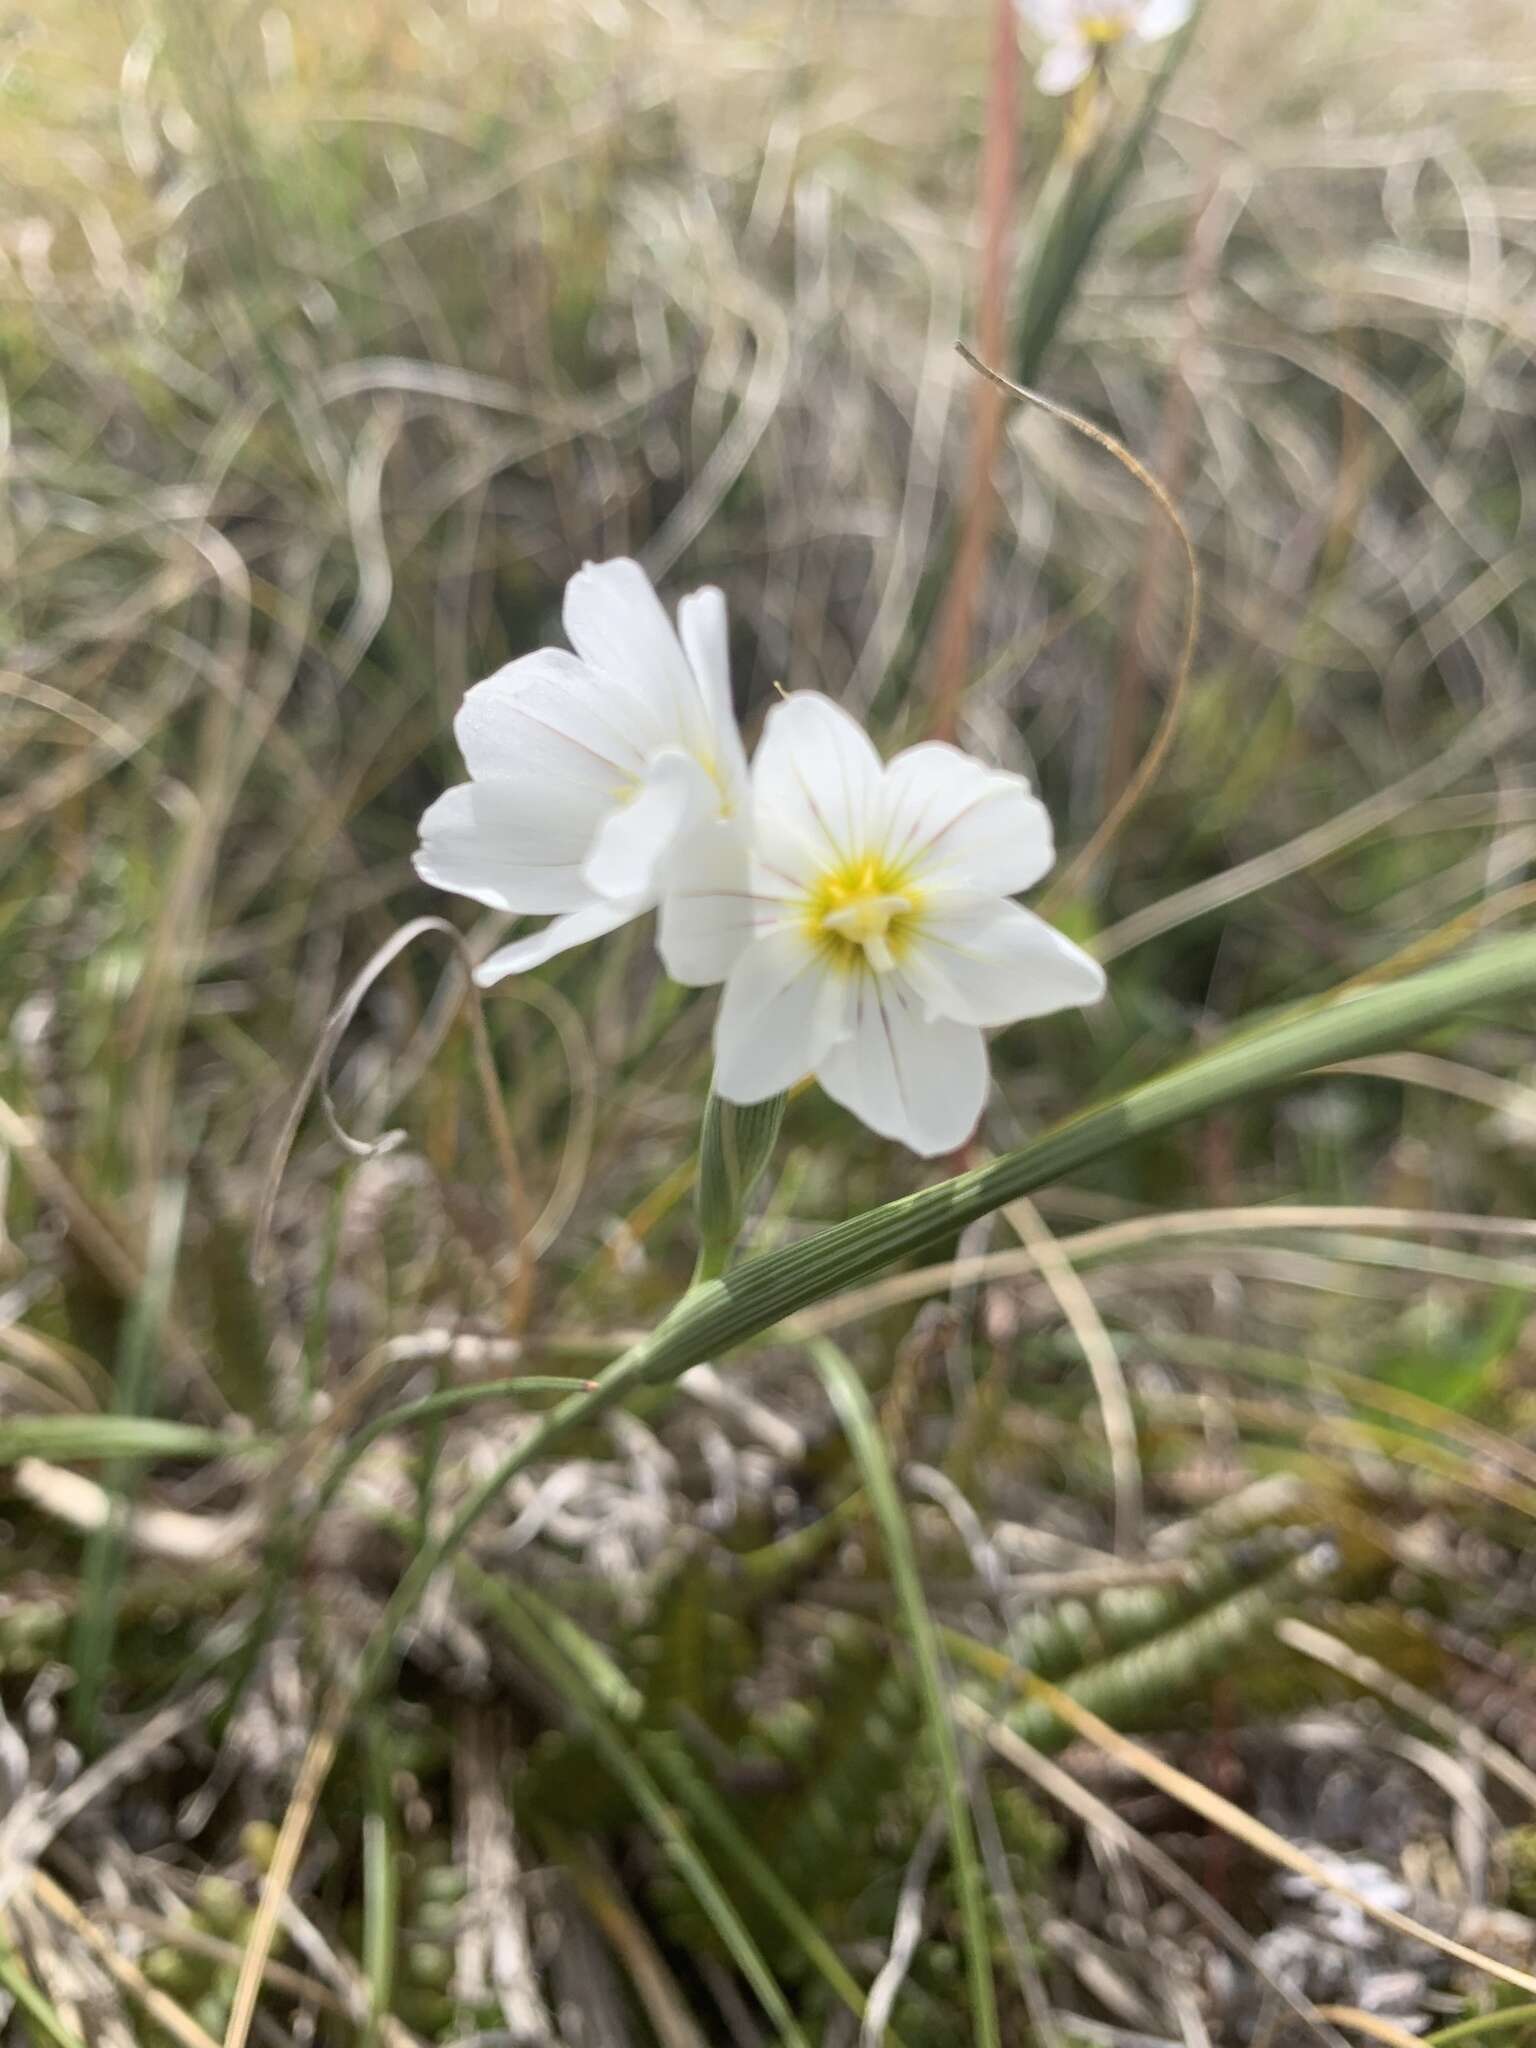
x,y
330,343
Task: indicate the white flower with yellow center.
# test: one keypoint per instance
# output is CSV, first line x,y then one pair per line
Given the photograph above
x,y
594,776
1077,32
866,934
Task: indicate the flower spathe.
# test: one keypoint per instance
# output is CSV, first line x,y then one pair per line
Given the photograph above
x,y
1077,32
594,775
864,928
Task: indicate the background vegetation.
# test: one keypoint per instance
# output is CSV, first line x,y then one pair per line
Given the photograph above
x,y
331,341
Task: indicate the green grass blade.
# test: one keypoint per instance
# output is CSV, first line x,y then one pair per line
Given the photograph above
x,y
1084,208
430,1408
862,1430
1141,1686
619,1754
294,1535
80,1439
714,1819
624,1701
1481,2025
32,2002
756,1295
106,1549
674,1765
381,1890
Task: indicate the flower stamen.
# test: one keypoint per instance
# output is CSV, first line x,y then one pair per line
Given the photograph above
x,y
861,914
867,921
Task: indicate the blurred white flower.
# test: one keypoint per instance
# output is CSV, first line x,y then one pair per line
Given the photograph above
x,y
866,935
594,776
1076,31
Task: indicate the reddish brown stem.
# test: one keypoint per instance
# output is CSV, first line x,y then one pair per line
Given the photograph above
x,y
998,177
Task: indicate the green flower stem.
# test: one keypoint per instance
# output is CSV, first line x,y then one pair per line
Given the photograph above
x,y
713,1317
711,1263
735,1145
861,1427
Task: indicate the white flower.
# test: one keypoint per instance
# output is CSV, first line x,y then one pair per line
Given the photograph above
x,y
866,934
594,776
1076,31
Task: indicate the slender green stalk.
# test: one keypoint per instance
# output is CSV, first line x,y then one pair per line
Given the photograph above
x,y
1481,2024
95,1631
713,1817
77,1439
1078,203
862,1430
735,1145
381,1890
32,2002
618,1752
753,1297
599,1674
447,1401
604,1683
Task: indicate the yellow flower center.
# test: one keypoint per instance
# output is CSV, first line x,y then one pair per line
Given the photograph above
x,y
1104,29
862,915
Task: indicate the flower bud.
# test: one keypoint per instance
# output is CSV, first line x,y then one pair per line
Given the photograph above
x,y
736,1144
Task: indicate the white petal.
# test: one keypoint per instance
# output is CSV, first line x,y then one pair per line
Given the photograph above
x,y
549,715
709,914
782,1010
702,628
558,936
1065,65
512,845
1158,18
634,841
992,962
1049,18
616,622
961,825
815,787
920,1080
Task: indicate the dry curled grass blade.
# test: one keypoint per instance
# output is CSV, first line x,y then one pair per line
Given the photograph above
x,y
316,1077
1098,1348
164,2011
576,1153
28,1997
25,1835
1478,741
1222,1813
1370,2023
291,1837
101,1241
1084,862
197,1941
1150,1233
1310,1641
1059,1784
649,1974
